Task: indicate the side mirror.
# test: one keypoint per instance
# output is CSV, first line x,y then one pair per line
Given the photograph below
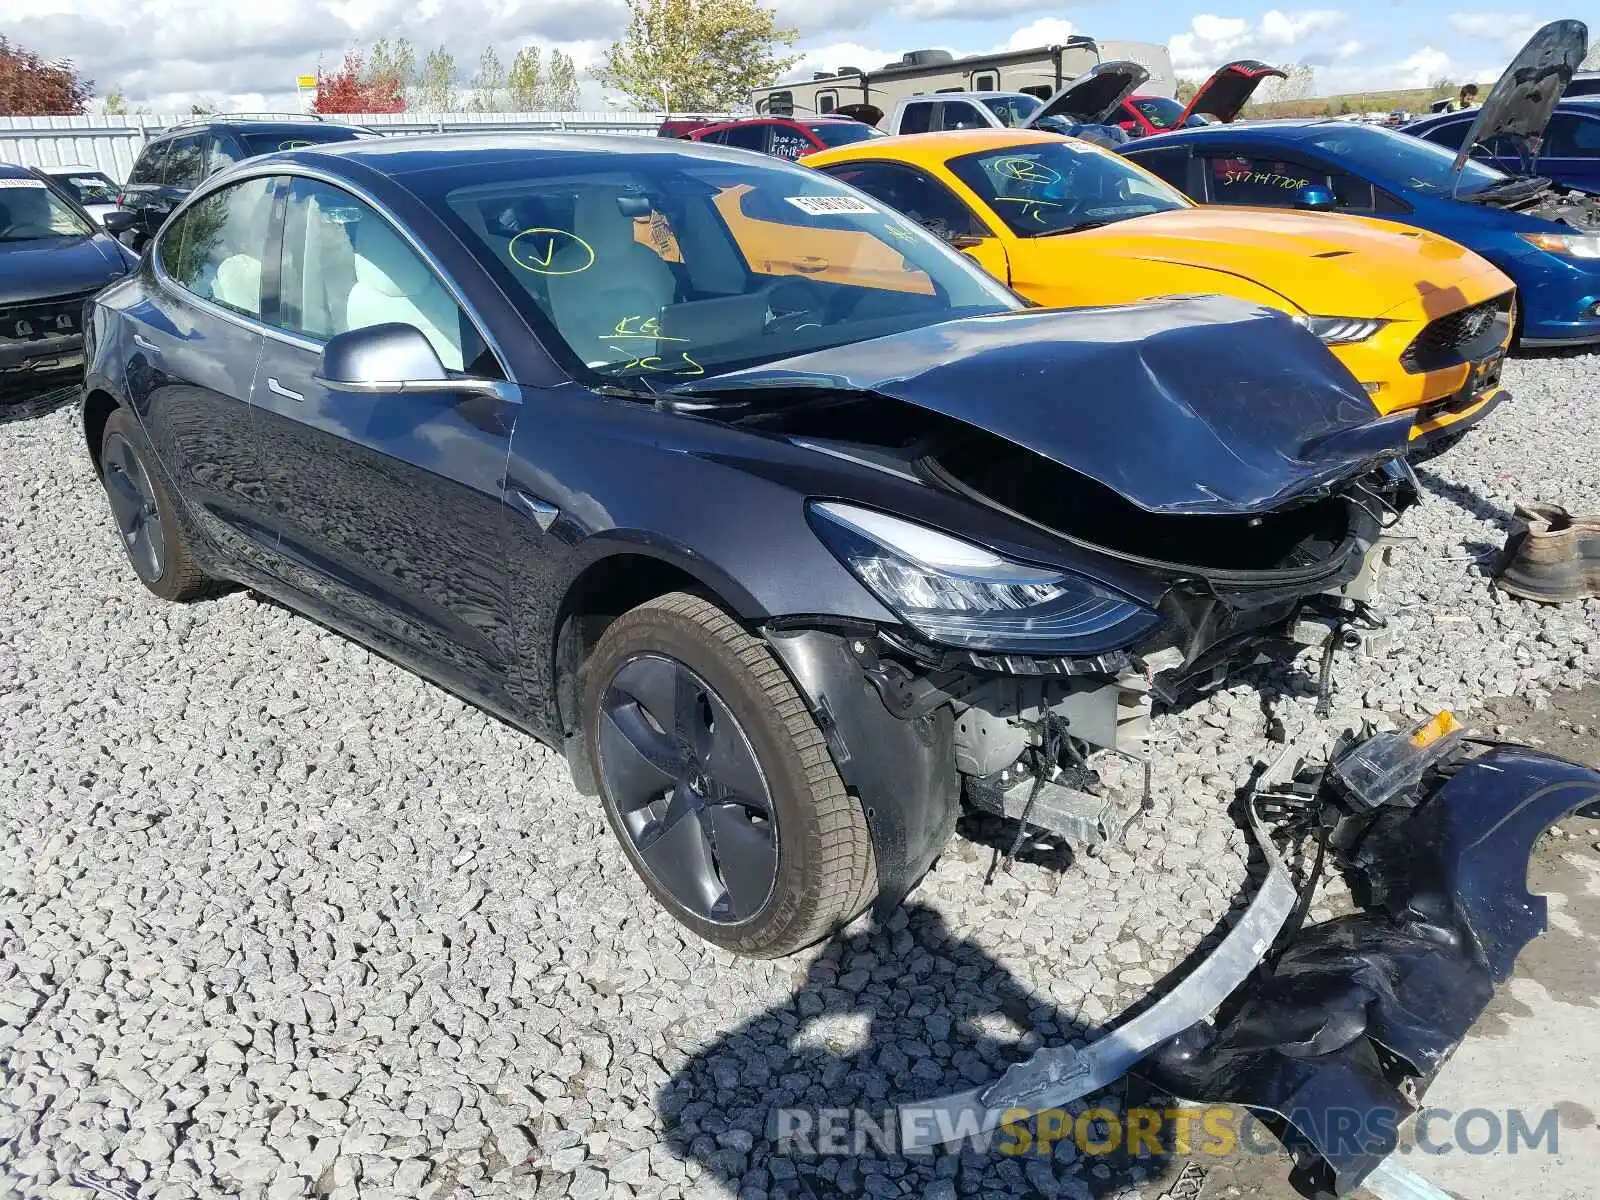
x,y
1315,197
119,221
964,241
393,357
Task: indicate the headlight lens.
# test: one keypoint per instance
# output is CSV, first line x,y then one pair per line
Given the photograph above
x,y
960,594
1570,245
1341,331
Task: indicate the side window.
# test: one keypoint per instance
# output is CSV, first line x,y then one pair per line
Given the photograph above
x,y
215,247
924,199
1171,165
747,137
1449,134
781,104
152,162
789,143
1352,192
917,118
1264,182
186,160
345,267
1572,136
985,81
221,153
827,101
717,137
961,114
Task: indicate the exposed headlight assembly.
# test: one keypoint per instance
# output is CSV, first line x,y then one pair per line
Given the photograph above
x,y
960,594
1569,245
1341,331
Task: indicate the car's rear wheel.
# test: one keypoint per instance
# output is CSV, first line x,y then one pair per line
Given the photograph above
x,y
145,516
718,783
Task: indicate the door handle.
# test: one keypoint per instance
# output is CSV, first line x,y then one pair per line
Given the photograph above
x,y
277,388
145,344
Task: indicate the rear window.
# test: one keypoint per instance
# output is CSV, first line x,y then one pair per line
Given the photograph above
x,y
267,142
152,162
1161,111
87,187
842,133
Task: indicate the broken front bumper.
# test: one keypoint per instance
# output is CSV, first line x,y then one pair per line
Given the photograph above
x,y
1334,1038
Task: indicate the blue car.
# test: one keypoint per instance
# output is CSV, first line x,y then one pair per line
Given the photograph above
x,y
1569,153
1547,239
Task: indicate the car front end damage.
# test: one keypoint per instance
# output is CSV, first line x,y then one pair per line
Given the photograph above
x,y
1332,1033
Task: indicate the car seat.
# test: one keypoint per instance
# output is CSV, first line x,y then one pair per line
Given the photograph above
x,y
393,284
625,281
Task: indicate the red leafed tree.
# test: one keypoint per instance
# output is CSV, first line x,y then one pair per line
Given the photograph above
x,y
355,89
33,87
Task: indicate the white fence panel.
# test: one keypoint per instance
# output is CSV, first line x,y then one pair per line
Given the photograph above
x,y
110,144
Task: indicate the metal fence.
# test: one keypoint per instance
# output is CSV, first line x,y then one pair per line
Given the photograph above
x,y
110,144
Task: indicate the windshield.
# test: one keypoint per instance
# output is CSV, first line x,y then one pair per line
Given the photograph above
x,y
1401,158
1163,112
87,187
1052,187
842,133
267,141
665,267
1012,110
30,211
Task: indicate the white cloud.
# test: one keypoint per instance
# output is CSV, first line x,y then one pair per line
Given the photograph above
x,y
1508,31
1046,31
1212,40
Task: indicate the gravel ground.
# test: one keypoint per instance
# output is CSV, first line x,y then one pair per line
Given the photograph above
x,y
278,918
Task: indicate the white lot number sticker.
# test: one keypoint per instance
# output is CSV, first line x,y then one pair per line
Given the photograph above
x,y
21,183
830,206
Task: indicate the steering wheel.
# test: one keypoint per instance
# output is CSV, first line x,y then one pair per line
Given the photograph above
x,y
795,303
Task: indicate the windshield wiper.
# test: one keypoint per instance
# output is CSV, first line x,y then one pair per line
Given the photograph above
x,y
1522,187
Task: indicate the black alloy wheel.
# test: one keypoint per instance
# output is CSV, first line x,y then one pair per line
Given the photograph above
x,y
133,507
688,790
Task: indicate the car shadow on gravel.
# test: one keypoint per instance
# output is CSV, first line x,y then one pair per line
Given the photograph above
x,y
30,404
904,1012
1465,499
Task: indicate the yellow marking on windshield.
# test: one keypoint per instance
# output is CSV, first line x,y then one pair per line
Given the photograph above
x,y
540,264
646,327
1025,170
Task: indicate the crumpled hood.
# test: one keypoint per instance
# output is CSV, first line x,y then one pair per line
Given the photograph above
x,y
38,270
1095,95
1324,265
1525,96
1198,405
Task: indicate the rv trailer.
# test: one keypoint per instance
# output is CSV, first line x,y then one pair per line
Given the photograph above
x,y
1039,72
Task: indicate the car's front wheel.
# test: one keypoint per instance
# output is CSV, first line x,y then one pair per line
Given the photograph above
x,y
717,781
145,514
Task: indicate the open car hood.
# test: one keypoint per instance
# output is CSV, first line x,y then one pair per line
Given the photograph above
x,y
1180,405
1228,90
1524,97
1092,97
867,114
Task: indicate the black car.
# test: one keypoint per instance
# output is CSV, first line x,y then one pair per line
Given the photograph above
x,y
52,259
173,162
789,525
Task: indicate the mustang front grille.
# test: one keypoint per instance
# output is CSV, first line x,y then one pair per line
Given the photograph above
x,y
1458,337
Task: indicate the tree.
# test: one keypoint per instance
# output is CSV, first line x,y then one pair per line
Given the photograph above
x,y
203,107
526,81
1186,90
388,73
434,91
115,104
489,83
695,54
350,90
561,86
32,87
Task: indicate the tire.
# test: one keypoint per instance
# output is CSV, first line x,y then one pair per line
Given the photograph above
x,y
147,520
820,861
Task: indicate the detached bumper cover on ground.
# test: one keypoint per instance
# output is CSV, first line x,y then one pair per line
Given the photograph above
x,y
1335,1038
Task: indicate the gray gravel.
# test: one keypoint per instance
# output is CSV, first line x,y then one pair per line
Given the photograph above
x,y
278,918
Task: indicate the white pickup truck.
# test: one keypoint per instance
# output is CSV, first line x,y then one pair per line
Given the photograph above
x,y
961,110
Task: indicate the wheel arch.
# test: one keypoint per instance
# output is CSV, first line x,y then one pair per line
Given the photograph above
x,y
98,405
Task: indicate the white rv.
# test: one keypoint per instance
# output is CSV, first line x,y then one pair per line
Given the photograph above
x,y
1038,72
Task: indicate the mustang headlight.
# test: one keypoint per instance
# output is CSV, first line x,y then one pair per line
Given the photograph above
x,y
1341,331
1569,245
960,594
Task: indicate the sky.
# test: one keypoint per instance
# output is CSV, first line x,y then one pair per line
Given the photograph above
x,y
167,54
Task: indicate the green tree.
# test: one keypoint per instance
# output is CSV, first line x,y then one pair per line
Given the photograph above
x,y
489,83
561,83
115,104
434,89
1186,90
389,73
696,54
525,81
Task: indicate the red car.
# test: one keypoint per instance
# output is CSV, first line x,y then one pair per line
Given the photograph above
x,y
785,137
1218,99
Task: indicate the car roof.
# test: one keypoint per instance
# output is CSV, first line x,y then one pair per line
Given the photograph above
x,y
946,144
964,96
1288,129
13,171
73,168
236,125
412,155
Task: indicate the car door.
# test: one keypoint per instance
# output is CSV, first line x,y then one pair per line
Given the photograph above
x,y
193,338
1570,152
752,135
388,506
962,114
1258,180
141,193
787,141
182,172
931,204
